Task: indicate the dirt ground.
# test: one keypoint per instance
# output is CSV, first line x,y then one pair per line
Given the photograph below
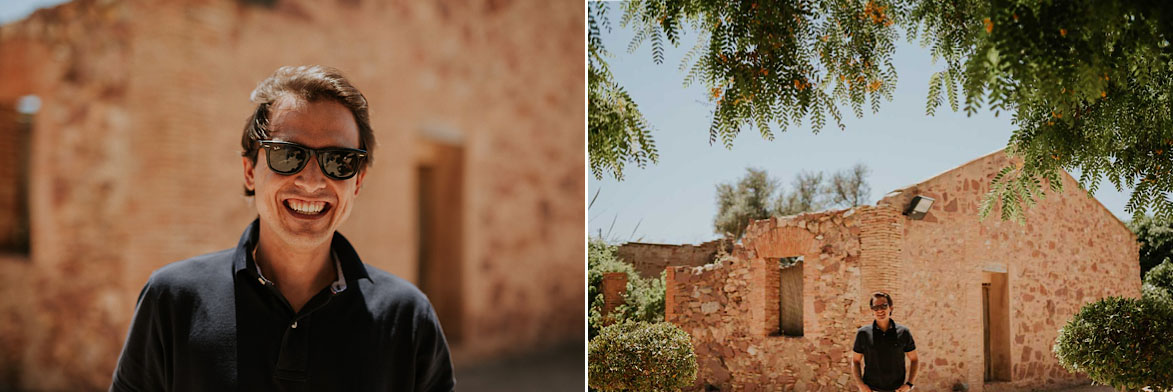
x,y
564,369
1087,388
557,369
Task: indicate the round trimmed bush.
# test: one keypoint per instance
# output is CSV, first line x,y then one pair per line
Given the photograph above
x,y
1122,342
641,356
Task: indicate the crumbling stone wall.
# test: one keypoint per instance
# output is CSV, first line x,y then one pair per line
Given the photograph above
x,y
135,157
614,289
650,259
730,308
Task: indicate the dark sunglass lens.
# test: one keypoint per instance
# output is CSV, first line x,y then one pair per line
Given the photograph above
x,y
287,159
340,164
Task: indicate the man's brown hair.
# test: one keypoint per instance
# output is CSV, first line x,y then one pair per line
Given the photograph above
x,y
309,83
880,294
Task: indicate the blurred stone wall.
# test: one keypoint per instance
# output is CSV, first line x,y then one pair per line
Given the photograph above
x,y
1070,252
135,158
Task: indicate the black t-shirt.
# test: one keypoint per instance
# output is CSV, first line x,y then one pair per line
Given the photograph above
x,y
213,323
883,354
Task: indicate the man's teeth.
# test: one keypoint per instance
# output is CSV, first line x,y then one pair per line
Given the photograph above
x,y
307,207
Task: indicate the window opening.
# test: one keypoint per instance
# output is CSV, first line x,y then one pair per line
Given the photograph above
x,y
790,296
16,124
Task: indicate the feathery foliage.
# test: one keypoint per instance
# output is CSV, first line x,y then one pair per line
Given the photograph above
x,y
1089,83
618,133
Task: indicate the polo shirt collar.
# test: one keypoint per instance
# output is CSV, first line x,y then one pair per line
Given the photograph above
x,y
349,266
891,325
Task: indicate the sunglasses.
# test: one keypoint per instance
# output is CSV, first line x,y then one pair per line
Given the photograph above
x,y
880,307
289,158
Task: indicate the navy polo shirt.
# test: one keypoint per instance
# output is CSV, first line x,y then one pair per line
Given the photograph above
x,y
213,323
883,354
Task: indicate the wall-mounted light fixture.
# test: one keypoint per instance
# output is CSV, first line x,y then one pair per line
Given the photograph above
x,y
918,207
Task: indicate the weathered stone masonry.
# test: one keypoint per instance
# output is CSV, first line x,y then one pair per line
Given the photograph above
x,y
731,307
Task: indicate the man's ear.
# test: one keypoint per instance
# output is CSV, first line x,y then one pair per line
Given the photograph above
x,y
358,184
249,167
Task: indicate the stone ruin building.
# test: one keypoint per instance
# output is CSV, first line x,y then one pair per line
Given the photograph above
x,y
132,162
984,299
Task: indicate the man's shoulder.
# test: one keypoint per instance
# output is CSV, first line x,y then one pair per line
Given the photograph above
x,y
386,286
194,273
390,293
864,329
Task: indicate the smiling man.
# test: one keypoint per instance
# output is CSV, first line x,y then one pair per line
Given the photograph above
x,y
882,347
292,307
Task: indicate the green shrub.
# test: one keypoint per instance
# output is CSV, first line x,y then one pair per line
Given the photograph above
x,y
1157,294
641,356
644,300
1122,342
1156,241
1158,283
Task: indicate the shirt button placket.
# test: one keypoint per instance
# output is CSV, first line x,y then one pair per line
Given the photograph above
x,y
293,358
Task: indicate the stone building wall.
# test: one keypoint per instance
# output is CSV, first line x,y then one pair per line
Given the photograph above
x,y
135,158
1070,252
650,259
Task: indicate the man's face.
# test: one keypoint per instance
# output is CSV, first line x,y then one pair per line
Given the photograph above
x,y
881,308
324,123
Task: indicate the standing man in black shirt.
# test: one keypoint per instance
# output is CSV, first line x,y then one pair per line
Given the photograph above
x,y
882,346
292,307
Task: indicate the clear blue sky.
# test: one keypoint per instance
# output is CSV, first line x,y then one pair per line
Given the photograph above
x,y
674,201
13,10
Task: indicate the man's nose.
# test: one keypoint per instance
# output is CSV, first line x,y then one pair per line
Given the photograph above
x,y
311,178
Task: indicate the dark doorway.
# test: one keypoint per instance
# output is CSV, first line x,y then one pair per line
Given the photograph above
x,y
440,205
996,326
